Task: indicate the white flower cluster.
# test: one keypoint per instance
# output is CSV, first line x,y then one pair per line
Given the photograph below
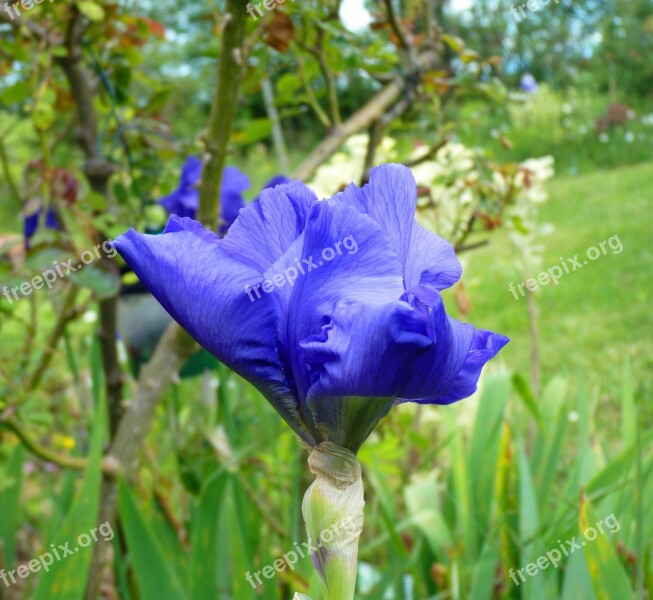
x,y
522,220
347,165
454,184
448,176
451,178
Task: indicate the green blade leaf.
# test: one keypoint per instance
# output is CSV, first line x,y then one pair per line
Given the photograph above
x,y
155,576
10,506
205,542
66,578
608,576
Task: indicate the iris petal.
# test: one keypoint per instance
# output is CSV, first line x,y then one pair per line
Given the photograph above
x,y
348,263
485,347
203,289
390,198
431,261
358,363
265,229
183,202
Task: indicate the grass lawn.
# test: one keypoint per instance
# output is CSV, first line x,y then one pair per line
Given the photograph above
x,y
595,316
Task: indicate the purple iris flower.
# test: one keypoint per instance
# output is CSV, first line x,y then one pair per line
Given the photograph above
x,y
331,309
31,223
528,84
234,183
185,200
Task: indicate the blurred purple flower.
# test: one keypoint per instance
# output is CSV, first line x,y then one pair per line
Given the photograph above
x,y
31,223
335,347
185,200
528,84
234,183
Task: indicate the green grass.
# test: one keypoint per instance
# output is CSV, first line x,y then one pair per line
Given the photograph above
x,y
596,315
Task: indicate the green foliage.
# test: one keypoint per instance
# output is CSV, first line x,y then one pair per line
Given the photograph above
x,y
67,577
10,504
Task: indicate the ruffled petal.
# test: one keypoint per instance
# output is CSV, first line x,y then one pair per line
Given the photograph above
x,y
265,229
182,202
203,289
450,371
431,261
344,261
234,184
485,346
390,198
358,364
366,351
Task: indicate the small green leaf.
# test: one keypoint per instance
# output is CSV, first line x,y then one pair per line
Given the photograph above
x,y
91,10
16,93
255,131
103,283
43,115
454,42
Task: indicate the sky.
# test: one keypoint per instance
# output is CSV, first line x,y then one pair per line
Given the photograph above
x,y
356,17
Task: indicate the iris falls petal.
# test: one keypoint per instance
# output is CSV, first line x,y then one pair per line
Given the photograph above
x,y
202,287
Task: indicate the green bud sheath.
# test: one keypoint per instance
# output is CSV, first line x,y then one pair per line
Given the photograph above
x,y
333,513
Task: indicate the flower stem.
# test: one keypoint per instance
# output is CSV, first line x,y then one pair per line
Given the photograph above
x,y
333,513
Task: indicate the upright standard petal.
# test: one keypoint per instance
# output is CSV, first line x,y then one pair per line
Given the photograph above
x,y
266,228
390,198
347,262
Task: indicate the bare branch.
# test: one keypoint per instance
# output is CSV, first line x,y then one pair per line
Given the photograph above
x,y
396,28
364,117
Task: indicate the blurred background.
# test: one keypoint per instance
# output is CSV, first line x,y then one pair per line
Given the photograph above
x,y
529,129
